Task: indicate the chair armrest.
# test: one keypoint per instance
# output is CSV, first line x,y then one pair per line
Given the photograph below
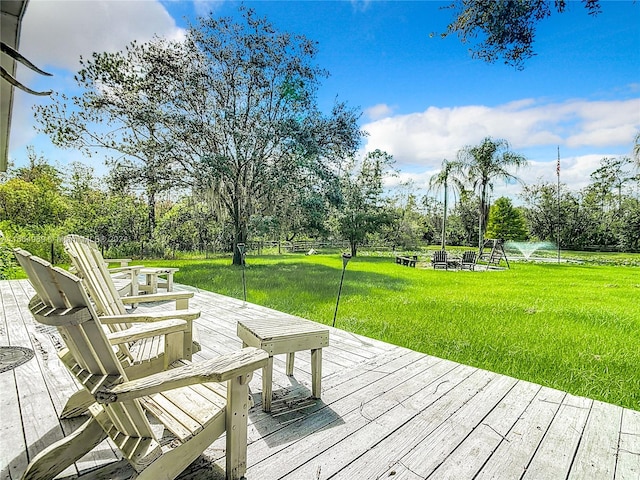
x,y
157,297
146,330
150,317
215,370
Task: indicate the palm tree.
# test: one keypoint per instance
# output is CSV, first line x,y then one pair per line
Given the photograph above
x,y
485,163
448,176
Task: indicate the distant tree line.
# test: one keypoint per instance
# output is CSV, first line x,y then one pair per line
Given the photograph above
x,y
40,203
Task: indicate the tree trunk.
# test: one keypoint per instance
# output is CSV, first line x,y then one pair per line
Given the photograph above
x,y
444,218
240,223
151,205
484,214
354,248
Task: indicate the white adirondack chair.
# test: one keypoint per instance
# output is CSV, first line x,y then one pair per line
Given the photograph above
x,y
89,263
179,393
144,347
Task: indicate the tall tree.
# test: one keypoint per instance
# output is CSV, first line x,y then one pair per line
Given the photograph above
x,y
32,196
484,164
541,209
253,126
580,219
121,113
463,221
506,221
430,209
629,232
362,209
407,227
448,177
612,175
506,28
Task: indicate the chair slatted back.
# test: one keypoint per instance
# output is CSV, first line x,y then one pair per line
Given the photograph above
x,y
90,265
469,256
440,256
61,301
87,259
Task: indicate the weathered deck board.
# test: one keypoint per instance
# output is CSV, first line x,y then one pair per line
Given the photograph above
x,y
12,441
467,459
596,456
385,412
39,418
516,450
628,454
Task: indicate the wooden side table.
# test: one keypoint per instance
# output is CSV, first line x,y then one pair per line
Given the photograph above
x,y
153,281
285,334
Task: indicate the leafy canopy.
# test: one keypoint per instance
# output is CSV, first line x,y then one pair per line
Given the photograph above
x,y
504,29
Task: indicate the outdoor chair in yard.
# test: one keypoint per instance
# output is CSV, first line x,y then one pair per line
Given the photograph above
x,y
468,261
125,277
140,354
172,396
88,261
439,259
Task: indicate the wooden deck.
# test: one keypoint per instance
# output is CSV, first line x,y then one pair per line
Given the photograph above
x,y
386,412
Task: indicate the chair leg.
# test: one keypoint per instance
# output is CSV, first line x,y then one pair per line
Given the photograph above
x,y
77,404
153,282
237,414
58,456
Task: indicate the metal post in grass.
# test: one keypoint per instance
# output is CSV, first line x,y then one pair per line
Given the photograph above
x,y
558,175
345,259
243,252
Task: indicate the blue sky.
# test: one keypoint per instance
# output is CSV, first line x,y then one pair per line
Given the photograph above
x,y
423,98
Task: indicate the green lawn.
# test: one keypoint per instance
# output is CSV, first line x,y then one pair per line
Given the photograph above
x,y
575,327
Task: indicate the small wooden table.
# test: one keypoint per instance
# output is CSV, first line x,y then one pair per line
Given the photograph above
x,y
285,334
153,281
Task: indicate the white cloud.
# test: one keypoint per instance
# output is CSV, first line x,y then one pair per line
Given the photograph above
x,y
378,111
55,33
426,138
204,8
574,170
585,131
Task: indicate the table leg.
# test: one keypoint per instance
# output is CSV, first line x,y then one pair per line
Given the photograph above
x,y
152,282
316,373
134,285
267,378
170,282
290,359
